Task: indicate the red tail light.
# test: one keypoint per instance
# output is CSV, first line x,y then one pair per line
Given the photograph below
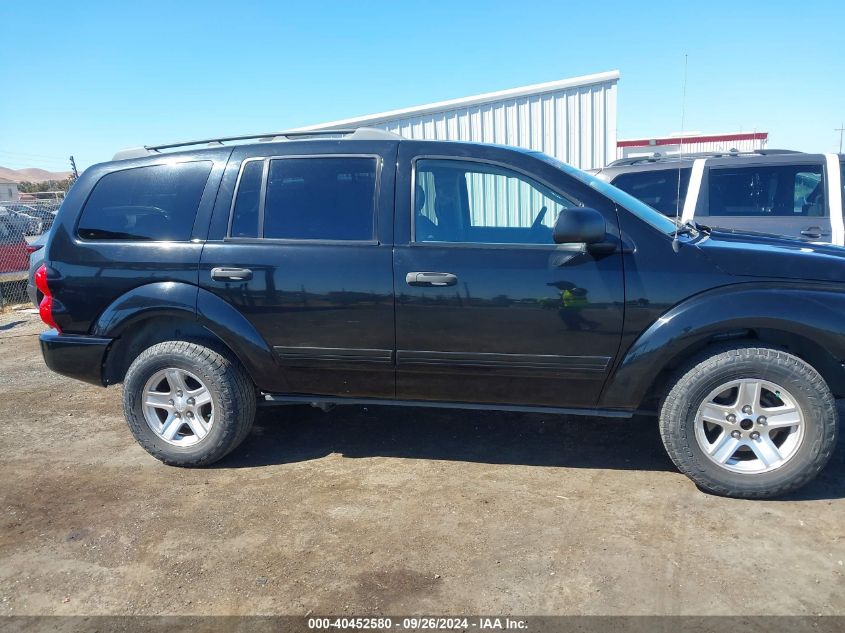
x,y
30,248
45,308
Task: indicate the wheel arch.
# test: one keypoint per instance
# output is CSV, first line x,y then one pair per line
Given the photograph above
x,y
805,322
163,311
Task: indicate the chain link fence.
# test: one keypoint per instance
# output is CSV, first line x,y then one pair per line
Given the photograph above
x,y
24,226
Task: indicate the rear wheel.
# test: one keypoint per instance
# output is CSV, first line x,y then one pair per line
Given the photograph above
x,y
187,404
749,422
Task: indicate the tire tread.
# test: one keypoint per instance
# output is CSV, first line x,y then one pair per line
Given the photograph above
x,y
705,363
239,398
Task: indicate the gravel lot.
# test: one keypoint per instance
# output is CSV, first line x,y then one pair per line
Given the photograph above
x,y
372,511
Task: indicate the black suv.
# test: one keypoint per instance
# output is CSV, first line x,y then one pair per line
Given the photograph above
x,y
375,269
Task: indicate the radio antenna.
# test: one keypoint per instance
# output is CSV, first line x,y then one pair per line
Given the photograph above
x,y
676,245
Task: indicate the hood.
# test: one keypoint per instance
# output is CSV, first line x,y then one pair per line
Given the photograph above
x,y
763,255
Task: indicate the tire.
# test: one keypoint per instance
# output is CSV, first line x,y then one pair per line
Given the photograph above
x,y
158,391
698,433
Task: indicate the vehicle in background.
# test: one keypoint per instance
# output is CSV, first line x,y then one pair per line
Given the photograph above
x,y
46,213
23,222
374,269
13,255
772,191
35,249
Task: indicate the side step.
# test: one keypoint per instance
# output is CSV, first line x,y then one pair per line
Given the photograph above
x,y
328,402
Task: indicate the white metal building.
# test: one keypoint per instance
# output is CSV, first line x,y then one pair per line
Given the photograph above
x,y
8,190
573,120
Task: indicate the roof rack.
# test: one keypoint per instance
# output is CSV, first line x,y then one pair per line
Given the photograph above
x,y
663,158
361,134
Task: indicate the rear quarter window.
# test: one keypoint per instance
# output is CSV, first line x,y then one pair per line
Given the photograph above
x,y
158,202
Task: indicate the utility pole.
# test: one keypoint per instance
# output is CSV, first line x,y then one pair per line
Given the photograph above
x,y
73,168
840,129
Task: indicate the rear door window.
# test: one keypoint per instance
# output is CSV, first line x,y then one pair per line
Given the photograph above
x,y
657,188
158,202
330,198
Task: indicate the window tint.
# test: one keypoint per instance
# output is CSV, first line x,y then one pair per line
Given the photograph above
x,y
145,203
466,201
765,191
658,189
842,181
245,211
329,198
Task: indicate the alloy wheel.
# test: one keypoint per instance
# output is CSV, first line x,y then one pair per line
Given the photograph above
x,y
749,426
178,407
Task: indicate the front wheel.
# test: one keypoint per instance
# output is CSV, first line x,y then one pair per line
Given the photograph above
x,y
187,404
749,422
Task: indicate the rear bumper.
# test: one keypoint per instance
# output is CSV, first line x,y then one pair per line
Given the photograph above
x,y
75,356
32,292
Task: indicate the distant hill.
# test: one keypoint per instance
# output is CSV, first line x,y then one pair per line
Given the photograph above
x,y
32,174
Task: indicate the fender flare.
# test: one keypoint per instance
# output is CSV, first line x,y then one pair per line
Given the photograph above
x,y
156,299
179,300
810,313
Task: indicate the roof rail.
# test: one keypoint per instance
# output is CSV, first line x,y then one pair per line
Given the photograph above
x,y
666,158
361,133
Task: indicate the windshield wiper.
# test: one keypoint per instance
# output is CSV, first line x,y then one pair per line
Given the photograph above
x,y
692,227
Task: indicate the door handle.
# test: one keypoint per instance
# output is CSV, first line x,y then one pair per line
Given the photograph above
x,y
813,232
430,279
225,273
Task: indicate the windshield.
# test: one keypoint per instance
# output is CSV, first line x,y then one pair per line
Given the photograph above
x,y
629,202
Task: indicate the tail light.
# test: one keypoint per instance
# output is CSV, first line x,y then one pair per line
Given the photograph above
x,y
31,248
45,308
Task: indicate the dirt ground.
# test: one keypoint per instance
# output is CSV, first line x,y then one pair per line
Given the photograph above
x,y
371,511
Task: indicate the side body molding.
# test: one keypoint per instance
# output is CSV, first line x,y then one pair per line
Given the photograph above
x,y
185,301
808,314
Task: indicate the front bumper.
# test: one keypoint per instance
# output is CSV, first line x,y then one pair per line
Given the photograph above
x,y
76,356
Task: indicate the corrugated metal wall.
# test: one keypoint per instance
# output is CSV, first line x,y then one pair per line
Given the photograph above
x,y
573,120
571,125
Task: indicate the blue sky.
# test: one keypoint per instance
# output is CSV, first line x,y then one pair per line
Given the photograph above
x,y
91,77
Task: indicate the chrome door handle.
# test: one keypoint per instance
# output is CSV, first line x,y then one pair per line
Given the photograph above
x,y
430,279
225,273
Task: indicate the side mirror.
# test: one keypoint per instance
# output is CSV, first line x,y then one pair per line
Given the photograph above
x,y
580,225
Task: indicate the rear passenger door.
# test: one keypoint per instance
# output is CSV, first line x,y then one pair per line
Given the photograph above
x,y
784,199
301,246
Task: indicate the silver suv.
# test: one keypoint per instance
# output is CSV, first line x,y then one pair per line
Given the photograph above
x,y
771,191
